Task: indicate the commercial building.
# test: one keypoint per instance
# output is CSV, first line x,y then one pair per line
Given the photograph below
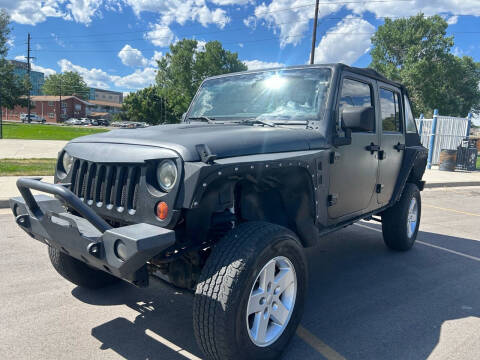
x,y
106,95
50,108
36,78
103,109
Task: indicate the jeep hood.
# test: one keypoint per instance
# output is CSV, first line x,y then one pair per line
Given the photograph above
x,y
224,140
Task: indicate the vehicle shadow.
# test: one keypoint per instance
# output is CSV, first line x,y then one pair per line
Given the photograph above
x,y
364,302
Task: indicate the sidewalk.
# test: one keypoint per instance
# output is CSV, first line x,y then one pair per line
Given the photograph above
x,y
434,178
26,149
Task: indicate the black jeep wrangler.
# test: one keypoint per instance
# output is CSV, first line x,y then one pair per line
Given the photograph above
x,y
263,165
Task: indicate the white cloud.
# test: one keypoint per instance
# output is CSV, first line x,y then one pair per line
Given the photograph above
x,y
157,55
258,64
59,41
292,24
46,71
11,42
132,57
137,80
94,77
177,11
84,10
32,12
231,2
452,20
413,7
345,42
161,35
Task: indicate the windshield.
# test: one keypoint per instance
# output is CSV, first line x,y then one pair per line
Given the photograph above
x,y
284,95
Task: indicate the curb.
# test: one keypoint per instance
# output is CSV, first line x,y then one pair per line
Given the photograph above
x,y
452,184
5,203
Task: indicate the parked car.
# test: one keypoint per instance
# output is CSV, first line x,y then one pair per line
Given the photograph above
x,y
103,122
265,164
73,121
33,118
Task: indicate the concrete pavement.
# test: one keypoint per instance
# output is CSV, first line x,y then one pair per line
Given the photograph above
x,y
364,302
26,149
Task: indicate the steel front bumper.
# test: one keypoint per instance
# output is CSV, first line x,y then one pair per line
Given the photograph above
x,y
122,251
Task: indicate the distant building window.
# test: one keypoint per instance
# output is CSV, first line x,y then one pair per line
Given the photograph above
x,y
109,96
78,107
51,115
64,105
50,103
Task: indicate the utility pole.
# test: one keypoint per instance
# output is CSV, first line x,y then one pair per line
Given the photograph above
x,y
61,89
28,72
314,35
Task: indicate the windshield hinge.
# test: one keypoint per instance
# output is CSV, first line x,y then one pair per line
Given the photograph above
x,y
205,154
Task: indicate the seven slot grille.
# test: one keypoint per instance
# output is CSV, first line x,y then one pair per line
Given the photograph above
x,y
112,185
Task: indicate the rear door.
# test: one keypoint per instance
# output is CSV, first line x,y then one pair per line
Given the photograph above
x,y
353,174
392,140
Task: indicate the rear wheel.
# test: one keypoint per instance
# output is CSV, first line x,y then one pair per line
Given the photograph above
x,y
249,299
400,223
78,272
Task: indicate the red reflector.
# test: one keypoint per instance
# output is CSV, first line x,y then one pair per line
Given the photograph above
x,y
162,210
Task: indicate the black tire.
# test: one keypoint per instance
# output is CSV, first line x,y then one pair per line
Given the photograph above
x,y
223,290
395,220
78,272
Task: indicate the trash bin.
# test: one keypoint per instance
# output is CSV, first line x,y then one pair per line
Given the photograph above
x,y
448,160
467,154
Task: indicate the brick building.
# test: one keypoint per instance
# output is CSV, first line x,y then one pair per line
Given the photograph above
x,y
49,108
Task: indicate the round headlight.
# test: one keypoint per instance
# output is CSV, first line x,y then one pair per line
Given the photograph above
x,y
167,175
67,162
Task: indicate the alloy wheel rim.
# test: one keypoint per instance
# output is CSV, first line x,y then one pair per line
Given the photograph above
x,y
412,217
271,301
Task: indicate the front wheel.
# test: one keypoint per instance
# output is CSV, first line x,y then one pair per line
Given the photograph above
x,y
400,223
249,299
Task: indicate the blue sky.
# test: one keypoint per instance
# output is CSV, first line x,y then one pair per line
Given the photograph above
x,y
113,44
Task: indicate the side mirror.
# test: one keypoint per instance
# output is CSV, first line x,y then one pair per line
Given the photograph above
x,y
358,118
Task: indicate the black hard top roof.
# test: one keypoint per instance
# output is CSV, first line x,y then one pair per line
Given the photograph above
x,y
338,66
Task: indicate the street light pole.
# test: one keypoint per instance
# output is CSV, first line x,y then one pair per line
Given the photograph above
x,y
314,35
28,72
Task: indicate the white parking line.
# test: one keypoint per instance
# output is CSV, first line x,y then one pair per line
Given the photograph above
x,y
430,245
318,344
171,345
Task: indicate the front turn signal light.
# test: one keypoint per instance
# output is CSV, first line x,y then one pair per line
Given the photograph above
x,y
162,210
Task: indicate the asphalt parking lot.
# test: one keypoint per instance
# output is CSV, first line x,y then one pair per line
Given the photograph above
x,y
364,302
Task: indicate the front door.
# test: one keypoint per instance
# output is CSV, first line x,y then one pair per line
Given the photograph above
x,y
353,174
392,140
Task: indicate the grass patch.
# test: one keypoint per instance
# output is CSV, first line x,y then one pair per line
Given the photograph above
x,y
33,167
45,132
478,163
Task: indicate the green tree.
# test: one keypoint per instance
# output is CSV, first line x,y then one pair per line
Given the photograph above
x,y
417,52
181,71
145,105
65,84
12,88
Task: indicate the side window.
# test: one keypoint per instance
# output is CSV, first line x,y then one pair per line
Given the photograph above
x,y
355,94
410,125
390,109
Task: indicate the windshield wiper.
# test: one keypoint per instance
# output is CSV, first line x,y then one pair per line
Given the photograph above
x,y
257,121
203,118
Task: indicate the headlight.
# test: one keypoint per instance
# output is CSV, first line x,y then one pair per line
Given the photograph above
x,y
67,162
167,175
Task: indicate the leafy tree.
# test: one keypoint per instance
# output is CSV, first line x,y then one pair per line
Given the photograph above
x,y
65,84
417,52
12,89
145,105
181,71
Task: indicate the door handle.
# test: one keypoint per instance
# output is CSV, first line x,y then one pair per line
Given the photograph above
x,y
372,148
399,147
